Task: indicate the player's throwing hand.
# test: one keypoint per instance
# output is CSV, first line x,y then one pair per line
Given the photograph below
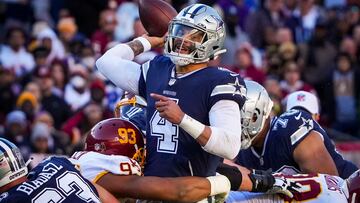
x,y
168,108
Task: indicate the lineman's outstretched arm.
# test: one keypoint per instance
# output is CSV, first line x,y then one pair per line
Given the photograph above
x,y
243,179
104,195
184,189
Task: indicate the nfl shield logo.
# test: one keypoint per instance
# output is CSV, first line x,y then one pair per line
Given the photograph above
x,y
301,97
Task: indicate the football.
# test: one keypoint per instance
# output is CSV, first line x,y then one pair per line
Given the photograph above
x,y
155,16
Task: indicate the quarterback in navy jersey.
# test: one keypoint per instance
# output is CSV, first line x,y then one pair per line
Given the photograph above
x,y
278,148
192,108
54,180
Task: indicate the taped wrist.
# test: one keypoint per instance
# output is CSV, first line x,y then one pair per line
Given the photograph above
x,y
218,184
146,44
262,181
192,126
232,173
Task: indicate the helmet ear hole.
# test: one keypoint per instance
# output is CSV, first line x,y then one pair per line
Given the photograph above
x,y
254,117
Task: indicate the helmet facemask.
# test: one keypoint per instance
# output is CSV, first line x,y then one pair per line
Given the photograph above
x,y
8,171
183,44
188,44
256,110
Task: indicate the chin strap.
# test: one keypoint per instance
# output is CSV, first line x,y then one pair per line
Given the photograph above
x,y
216,54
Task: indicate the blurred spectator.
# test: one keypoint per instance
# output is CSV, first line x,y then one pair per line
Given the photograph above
x,y
51,102
14,55
86,13
60,76
16,131
28,103
103,36
272,86
77,92
341,29
68,32
80,123
237,7
284,35
262,23
41,140
48,39
304,19
316,59
349,46
353,15
356,35
292,81
290,6
62,143
113,94
287,52
42,143
40,55
344,101
9,89
97,92
87,57
34,89
18,12
245,67
98,96
41,10
126,14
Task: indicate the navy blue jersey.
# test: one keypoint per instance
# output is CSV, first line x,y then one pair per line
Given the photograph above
x,y
171,152
136,115
53,180
286,132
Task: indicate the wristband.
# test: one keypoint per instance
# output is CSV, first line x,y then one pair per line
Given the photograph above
x,y
232,173
192,126
219,184
146,44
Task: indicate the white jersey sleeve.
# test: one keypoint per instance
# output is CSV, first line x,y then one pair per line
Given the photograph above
x,y
93,165
117,65
315,189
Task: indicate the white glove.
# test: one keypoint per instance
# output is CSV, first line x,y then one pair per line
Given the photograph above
x,y
284,186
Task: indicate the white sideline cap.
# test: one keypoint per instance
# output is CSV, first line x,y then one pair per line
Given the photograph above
x,y
303,99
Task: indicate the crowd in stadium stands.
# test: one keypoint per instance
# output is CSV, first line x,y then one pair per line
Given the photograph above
x,y
51,93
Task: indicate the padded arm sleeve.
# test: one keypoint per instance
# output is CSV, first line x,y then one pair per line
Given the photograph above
x,y
117,65
225,139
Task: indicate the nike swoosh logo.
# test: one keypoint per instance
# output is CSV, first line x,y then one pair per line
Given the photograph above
x,y
298,116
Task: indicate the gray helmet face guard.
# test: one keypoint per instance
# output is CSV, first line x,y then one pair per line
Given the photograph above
x,y
183,38
256,110
12,165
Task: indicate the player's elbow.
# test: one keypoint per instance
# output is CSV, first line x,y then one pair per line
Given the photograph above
x,y
101,63
231,145
232,152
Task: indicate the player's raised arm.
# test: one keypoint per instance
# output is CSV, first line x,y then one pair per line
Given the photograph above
x,y
117,65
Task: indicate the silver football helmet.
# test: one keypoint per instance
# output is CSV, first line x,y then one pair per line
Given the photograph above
x,y
12,165
255,111
195,35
